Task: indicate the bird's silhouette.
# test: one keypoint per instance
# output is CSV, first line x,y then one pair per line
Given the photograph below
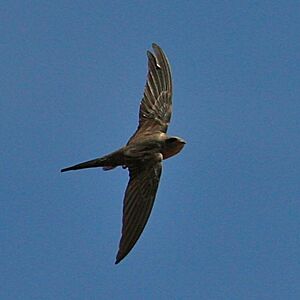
x,y
144,152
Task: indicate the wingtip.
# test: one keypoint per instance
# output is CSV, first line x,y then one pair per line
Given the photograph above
x,y
118,259
120,256
154,45
152,59
149,54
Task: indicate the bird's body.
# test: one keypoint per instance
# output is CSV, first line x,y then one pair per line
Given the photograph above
x,y
144,152
135,153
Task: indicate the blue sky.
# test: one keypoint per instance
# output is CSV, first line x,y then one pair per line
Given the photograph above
x,y
225,224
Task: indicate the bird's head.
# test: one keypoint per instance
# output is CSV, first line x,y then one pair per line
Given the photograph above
x,y
172,146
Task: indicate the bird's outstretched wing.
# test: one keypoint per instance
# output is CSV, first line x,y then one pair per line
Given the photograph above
x,y
156,105
138,202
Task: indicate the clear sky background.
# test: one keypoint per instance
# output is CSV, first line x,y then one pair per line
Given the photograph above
x,y
225,224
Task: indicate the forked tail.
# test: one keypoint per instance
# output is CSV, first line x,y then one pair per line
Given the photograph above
x,y
107,162
94,163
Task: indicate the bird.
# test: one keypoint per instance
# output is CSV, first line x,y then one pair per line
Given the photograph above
x,y
144,152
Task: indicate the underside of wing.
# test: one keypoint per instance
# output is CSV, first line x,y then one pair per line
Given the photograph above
x,y
156,105
138,203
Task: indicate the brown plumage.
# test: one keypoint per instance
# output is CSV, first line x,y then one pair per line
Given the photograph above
x,y
144,152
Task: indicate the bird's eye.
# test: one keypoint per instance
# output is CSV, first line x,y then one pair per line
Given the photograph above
x,y
171,140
